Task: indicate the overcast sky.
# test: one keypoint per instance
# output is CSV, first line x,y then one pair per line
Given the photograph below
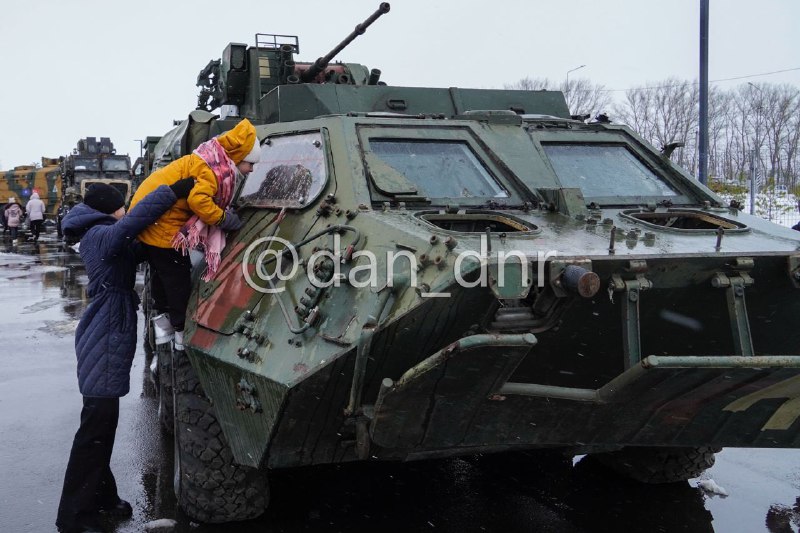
x,y
125,70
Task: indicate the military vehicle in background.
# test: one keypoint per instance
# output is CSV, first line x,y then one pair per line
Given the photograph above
x,y
93,161
22,181
144,164
633,315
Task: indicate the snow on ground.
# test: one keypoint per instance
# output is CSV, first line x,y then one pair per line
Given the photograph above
x,y
780,207
709,486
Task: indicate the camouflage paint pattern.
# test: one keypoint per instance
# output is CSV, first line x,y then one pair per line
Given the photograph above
x,y
23,181
436,357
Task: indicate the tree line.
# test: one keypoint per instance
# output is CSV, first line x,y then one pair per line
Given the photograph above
x,y
752,122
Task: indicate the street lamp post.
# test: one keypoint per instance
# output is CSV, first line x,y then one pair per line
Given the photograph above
x,y
141,147
567,89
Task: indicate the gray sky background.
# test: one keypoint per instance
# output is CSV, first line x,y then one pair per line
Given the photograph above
x,y
125,70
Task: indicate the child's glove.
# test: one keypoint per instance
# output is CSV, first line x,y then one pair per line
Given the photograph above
x,y
231,221
182,187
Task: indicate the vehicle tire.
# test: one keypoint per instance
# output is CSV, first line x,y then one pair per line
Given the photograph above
x,y
147,311
659,465
209,485
166,403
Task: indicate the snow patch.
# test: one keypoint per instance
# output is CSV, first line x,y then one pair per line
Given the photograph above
x,y
163,525
709,486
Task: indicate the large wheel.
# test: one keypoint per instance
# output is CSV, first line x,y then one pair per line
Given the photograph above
x,y
209,485
148,311
166,402
659,465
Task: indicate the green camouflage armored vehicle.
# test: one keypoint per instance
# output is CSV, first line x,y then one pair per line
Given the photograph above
x,y
431,272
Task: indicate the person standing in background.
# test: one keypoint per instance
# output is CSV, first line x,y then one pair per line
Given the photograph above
x,y
35,210
13,215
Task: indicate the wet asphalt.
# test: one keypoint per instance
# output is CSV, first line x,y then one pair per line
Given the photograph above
x,y
42,294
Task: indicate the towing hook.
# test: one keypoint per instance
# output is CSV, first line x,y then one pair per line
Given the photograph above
x,y
578,279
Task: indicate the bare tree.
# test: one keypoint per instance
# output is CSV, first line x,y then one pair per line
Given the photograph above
x,y
583,96
664,113
529,84
781,103
750,121
718,102
792,149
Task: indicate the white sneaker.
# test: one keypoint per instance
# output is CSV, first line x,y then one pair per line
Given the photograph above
x,y
177,344
162,328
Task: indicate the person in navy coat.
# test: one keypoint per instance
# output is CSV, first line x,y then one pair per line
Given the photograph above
x,y
105,342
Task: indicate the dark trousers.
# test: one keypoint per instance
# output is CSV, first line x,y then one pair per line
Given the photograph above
x,y
13,230
36,228
170,282
88,483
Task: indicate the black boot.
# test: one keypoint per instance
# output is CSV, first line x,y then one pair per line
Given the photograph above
x,y
121,509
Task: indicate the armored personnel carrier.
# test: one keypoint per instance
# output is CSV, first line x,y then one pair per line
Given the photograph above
x,y
433,272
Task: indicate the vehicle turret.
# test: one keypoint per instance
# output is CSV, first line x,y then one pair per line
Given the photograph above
x,y
319,66
245,74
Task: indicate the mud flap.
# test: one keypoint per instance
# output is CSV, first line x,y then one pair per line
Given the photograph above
x,y
729,400
436,399
458,398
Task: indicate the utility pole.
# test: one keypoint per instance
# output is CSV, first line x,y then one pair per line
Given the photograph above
x,y
753,181
703,148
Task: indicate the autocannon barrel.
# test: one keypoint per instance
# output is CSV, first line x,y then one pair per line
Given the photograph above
x,y
320,64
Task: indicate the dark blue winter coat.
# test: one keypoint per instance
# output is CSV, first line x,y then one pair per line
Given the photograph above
x,y
105,340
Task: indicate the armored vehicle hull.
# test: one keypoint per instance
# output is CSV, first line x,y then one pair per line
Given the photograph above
x,y
664,354
416,326
437,272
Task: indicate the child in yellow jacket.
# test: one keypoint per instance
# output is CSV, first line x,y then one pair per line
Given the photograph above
x,y
201,219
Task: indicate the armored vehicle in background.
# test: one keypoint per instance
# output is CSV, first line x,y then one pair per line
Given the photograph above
x,y
22,181
94,161
144,164
428,272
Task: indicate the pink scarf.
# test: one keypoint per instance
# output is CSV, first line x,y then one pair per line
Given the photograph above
x,y
196,234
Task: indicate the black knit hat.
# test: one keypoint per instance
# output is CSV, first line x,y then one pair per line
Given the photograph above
x,y
103,198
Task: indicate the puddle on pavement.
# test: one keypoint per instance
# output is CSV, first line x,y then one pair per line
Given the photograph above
x,y
57,267
59,328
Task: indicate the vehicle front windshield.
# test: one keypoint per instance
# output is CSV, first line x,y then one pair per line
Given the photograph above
x,y
115,164
291,172
86,163
438,169
600,170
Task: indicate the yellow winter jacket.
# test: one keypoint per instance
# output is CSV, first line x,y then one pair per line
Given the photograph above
x,y
237,144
